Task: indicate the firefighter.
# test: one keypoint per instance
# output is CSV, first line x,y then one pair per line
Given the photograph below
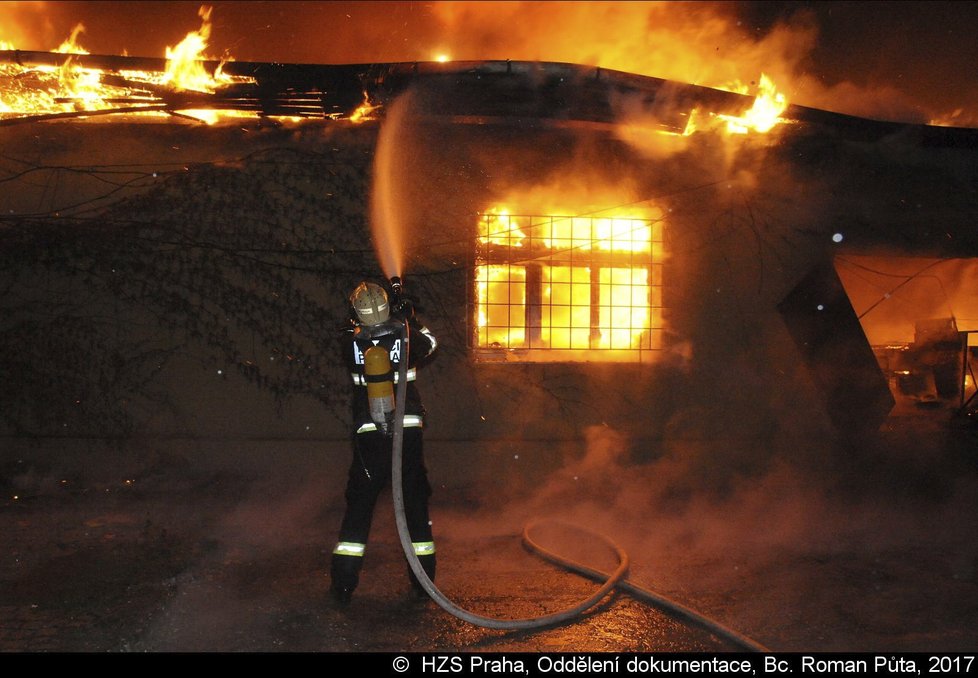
x,y
376,333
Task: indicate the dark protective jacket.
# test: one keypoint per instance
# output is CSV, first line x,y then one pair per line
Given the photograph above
x,y
388,335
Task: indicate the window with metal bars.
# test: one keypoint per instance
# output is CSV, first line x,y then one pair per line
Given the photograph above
x,y
568,288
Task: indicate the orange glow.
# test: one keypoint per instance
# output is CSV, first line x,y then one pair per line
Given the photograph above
x,y
622,234
956,118
71,46
579,284
81,85
610,234
762,117
501,291
212,116
48,89
616,234
764,114
691,122
688,42
496,227
41,90
624,307
184,70
566,313
71,89
364,111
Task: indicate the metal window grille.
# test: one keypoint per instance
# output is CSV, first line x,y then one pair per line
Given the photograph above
x,y
567,287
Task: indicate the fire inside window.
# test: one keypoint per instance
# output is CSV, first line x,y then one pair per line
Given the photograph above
x,y
559,288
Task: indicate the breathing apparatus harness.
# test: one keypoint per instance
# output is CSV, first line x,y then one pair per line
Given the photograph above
x,y
618,578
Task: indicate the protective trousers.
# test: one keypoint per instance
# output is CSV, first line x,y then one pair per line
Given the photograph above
x,y
370,473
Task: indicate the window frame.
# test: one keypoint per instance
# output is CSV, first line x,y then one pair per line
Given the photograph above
x,y
520,247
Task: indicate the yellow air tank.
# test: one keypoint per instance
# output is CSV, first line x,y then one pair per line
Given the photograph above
x,y
379,375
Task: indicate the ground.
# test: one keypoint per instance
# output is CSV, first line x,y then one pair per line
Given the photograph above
x,y
166,554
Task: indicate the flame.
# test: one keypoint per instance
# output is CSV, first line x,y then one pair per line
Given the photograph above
x,y
956,118
766,112
594,276
74,89
707,44
627,232
496,227
501,292
691,122
71,46
212,116
566,313
46,89
364,111
764,115
184,70
40,90
81,88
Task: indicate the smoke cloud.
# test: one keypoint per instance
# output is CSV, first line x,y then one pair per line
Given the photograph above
x,y
893,293
708,44
695,43
22,23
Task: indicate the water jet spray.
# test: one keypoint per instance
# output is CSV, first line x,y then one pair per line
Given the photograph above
x,y
387,200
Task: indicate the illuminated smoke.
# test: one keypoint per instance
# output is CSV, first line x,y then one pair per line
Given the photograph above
x,y
892,293
27,25
699,43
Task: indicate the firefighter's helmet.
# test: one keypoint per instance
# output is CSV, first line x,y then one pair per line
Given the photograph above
x,y
369,302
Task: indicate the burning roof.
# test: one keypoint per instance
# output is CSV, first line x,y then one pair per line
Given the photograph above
x,y
186,83
71,82
39,86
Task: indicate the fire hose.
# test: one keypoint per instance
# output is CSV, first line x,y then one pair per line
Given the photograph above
x,y
609,581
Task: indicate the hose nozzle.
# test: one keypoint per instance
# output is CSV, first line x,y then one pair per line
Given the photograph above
x,y
396,287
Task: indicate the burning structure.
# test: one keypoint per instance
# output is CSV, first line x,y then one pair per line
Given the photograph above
x,y
569,225
623,269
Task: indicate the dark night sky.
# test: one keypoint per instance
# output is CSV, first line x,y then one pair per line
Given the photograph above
x,y
895,60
